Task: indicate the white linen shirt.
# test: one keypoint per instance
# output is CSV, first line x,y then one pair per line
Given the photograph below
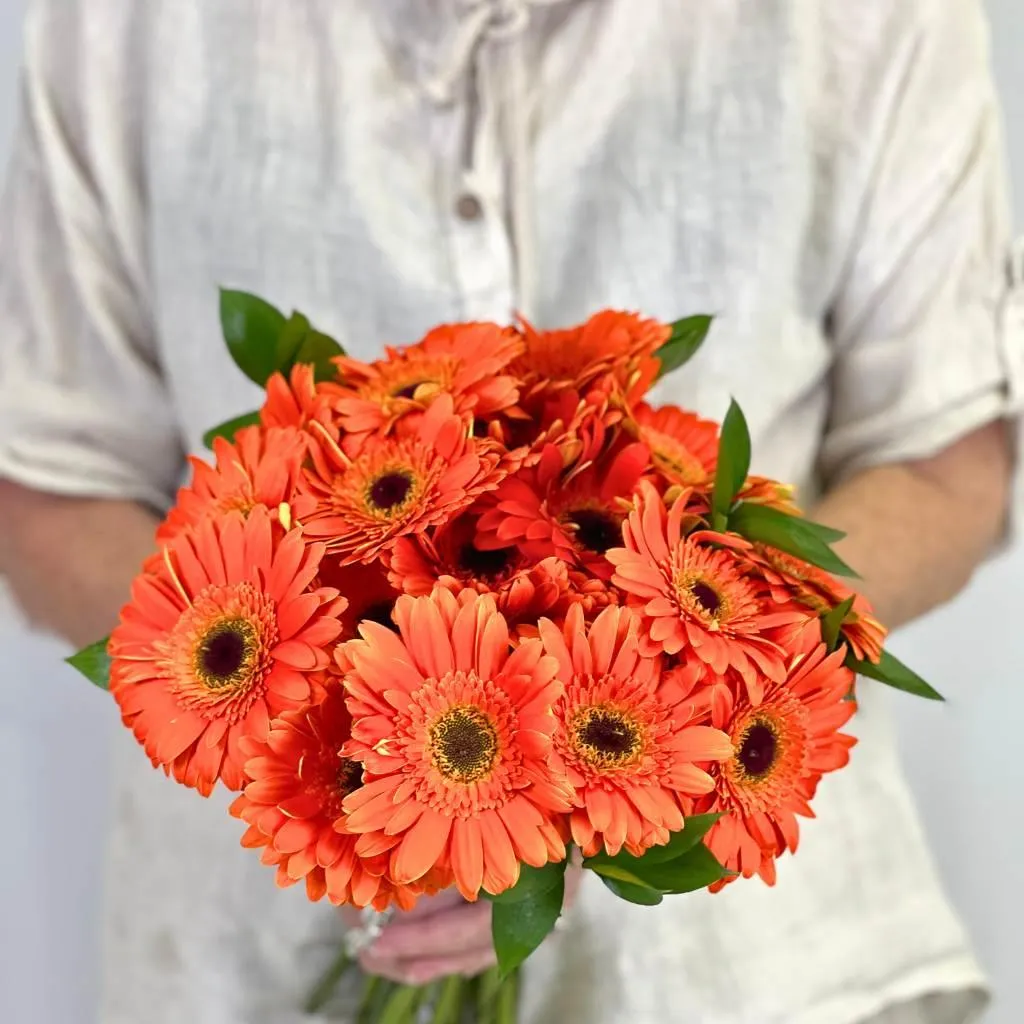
x,y
824,175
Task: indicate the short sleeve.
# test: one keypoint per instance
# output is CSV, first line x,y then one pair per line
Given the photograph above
x,y
927,344
83,405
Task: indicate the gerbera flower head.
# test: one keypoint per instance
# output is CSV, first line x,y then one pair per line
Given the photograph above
x,y
691,592
220,637
783,745
628,751
296,400
260,467
292,803
524,589
683,447
456,728
613,343
793,581
464,361
575,516
398,486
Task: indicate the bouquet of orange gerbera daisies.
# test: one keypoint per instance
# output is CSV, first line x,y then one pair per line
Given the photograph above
x,y
454,617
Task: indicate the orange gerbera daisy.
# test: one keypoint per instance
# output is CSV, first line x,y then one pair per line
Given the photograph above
x,y
783,745
628,750
610,342
296,401
220,637
260,467
456,728
462,360
575,516
792,580
366,588
292,804
692,592
524,589
398,486
683,447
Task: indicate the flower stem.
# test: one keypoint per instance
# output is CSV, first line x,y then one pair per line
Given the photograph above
x,y
321,995
448,1007
507,1009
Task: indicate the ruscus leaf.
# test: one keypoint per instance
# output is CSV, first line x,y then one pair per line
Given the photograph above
x,y
832,623
684,342
531,880
639,894
94,663
792,534
696,869
733,461
319,350
891,671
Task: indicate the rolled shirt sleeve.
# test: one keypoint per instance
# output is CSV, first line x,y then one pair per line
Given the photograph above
x,y
83,405
926,322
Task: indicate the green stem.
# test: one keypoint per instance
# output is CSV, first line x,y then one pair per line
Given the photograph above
x,y
321,995
448,1007
507,1009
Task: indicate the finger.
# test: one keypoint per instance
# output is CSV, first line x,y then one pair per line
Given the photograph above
x,y
450,931
422,972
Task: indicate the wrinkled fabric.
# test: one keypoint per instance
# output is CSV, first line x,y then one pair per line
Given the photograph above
x,y
826,177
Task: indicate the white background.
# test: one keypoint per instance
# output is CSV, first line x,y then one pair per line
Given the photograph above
x,y
966,758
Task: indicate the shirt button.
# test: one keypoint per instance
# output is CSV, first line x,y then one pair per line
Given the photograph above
x,y
468,207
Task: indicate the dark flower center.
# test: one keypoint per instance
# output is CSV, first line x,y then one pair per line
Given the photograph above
x,y
464,744
758,750
409,390
379,611
706,597
390,490
226,653
605,737
349,777
596,529
485,564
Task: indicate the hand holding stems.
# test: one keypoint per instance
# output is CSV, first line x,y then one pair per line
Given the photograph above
x,y
442,936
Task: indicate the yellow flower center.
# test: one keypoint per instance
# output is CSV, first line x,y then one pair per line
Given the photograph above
x,y
605,737
227,654
463,744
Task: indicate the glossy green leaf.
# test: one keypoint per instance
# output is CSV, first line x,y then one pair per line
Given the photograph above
x,y
686,338
230,428
891,671
792,534
94,663
696,828
319,350
733,461
612,869
832,623
640,894
696,869
531,881
293,334
252,328
519,928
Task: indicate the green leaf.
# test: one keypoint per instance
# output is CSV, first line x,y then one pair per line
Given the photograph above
x,y
230,428
832,623
733,461
696,828
531,881
94,663
696,869
891,671
251,328
319,351
611,869
640,894
686,338
519,928
792,534
290,340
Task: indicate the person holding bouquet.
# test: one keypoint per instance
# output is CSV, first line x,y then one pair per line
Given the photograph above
x,y
827,178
